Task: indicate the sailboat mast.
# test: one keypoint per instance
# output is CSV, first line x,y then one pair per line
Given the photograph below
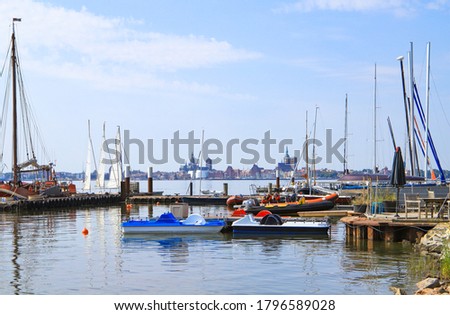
x,y
307,154
345,134
375,168
427,95
314,147
14,104
411,112
201,163
406,103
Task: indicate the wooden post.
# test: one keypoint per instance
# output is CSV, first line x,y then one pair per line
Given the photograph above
x,y
127,180
370,233
278,180
150,180
225,189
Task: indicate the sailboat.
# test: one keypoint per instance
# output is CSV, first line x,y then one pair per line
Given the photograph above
x,y
116,169
88,169
44,180
101,167
107,161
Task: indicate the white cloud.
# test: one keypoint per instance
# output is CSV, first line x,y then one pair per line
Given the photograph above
x,y
397,6
81,45
438,5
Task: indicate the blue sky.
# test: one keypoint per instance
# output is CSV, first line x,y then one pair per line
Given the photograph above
x,y
235,69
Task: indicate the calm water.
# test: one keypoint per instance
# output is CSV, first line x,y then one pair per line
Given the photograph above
x,y
46,253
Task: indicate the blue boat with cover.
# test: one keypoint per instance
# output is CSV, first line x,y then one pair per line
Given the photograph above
x,y
168,223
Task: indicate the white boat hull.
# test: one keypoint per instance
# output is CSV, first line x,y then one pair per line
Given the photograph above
x,y
248,225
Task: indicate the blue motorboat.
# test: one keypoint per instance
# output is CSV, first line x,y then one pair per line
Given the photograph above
x,y
168,223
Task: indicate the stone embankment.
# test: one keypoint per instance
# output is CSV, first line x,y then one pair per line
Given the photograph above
x,y
434,243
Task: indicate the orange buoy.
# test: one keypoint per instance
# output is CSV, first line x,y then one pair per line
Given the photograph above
x,y
85,231
129,205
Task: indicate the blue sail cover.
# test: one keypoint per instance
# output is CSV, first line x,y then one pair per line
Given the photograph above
x,y
430,139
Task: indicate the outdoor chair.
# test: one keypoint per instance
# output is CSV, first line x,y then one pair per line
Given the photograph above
x,y
412,204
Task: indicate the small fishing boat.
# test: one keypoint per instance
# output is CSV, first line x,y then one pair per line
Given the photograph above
x,y
273,224
168,223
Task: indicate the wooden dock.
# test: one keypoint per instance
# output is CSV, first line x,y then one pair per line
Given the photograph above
x,y
387,227
78,200
195,200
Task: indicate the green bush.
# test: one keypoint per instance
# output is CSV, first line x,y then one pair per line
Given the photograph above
x,y
445,263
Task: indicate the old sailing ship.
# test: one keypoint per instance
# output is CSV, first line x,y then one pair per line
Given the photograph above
x,y
29,178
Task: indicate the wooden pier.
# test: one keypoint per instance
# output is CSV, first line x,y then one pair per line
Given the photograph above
x,y
171,199
387,228
78,200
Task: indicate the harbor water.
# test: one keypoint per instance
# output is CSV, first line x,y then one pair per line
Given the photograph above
x,y
46,253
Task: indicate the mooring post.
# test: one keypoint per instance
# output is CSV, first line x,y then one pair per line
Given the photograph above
x,y
150,180
225,189
127,180
278,180
191,189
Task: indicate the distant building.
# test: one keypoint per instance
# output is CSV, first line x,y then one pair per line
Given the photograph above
x,y
229,173
255,172
287,167
194,169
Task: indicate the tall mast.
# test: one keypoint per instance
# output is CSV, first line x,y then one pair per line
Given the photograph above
x,y
201,164
314,147
427,95
345,135
407,105
14,103
411,112
375,123
306,154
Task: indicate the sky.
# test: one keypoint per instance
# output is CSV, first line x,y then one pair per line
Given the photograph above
x,y
248,78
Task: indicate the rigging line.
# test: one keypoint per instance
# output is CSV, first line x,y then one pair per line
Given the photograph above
x,y
25,110
5,62
3,120
439,98
30,114
24,117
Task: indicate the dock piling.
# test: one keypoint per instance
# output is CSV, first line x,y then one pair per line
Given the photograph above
x,y
278,180
150,180
225,189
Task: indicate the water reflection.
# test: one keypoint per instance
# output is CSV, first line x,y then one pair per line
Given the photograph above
x,y
15,283
45,253
369,262
173,249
